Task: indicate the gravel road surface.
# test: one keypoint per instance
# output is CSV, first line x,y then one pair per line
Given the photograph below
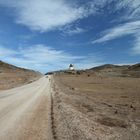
x,y
25,112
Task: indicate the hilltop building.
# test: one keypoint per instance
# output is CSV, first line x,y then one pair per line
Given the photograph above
x,y
71,67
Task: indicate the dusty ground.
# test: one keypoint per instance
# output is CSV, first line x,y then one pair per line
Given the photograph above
x,y
95,107
102,104
25,112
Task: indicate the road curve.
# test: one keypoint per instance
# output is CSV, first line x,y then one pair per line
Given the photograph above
x,y
25,112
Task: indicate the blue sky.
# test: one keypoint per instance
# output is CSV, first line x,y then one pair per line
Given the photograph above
x,y
47,35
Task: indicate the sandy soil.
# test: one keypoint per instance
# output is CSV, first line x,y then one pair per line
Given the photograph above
x,y
25,112
91,107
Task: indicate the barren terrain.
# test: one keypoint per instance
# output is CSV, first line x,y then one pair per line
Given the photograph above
x,y
12,76
96,106
102,103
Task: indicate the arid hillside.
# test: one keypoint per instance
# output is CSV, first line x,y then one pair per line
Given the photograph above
x,y
115,70
12,76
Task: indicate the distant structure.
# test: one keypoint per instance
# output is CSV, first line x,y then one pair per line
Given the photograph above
x,y
71,67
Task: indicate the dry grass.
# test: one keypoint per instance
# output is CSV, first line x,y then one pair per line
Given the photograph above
x,y
106,107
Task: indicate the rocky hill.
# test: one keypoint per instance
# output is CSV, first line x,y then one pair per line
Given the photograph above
x,y
115,70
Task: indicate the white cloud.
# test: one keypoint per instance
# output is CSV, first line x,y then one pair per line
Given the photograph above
x,y
119,31
136,48
131,28
6,52
45,15
131,16
92,60
44,58
132,8
73,31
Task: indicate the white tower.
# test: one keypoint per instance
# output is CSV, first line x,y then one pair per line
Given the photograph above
x,y
71,67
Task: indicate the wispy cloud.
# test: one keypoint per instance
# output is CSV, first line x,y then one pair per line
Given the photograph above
x,y
4,52
45,15
136,49
131,28
119,31
44,58
131,16
131,7
73,31
92,60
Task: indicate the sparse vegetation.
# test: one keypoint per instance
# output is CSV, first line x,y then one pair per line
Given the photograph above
x,y
102,105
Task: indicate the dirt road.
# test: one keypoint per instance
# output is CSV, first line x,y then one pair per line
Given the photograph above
x,y
25,112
